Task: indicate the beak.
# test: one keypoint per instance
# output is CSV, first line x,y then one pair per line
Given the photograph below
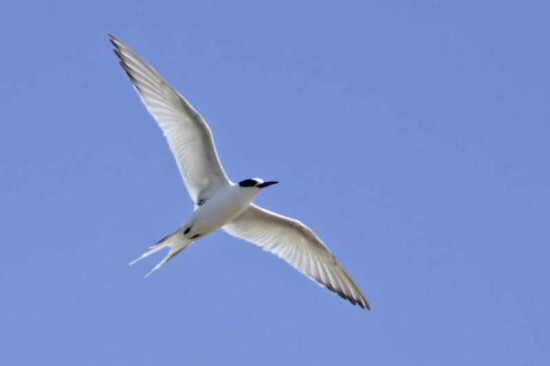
x,y
266,184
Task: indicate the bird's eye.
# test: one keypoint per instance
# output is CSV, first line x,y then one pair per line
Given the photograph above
x,y
248,183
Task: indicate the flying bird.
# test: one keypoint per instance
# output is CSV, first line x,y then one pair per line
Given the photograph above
x,y
219,202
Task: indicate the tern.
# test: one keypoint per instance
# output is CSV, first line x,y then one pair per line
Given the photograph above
x,y
219,202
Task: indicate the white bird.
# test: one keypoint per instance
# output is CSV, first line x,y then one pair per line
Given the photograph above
x,y
220,203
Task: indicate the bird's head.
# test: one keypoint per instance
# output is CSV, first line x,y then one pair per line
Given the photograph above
x,y
256,182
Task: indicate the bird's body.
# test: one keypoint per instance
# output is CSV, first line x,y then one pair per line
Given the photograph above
x,y
224,206
220,203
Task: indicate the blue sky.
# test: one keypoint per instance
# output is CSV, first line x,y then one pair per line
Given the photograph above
x,y
412,136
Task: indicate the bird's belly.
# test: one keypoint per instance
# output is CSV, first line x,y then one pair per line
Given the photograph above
x,y
215,214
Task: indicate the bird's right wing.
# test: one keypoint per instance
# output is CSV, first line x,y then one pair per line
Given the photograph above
x,y
297,245
188,134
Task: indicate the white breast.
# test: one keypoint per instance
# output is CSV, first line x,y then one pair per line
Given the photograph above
x,y
228,203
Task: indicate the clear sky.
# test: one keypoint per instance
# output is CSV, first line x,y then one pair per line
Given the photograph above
x,y
412,136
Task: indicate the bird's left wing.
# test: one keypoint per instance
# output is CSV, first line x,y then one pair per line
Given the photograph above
x,y
188,134
297,245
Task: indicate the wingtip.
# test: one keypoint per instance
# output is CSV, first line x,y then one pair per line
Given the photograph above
x,y
364,303
117,43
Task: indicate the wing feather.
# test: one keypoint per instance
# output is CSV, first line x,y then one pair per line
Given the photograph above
x,y
188,134
297,245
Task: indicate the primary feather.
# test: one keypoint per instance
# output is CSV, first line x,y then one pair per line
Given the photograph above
x,y
188,135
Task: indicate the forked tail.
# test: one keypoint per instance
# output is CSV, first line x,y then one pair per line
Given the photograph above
x,y
176,242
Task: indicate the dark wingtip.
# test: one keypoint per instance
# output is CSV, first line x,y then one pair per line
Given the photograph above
x,y
117,43
116,51
362,303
